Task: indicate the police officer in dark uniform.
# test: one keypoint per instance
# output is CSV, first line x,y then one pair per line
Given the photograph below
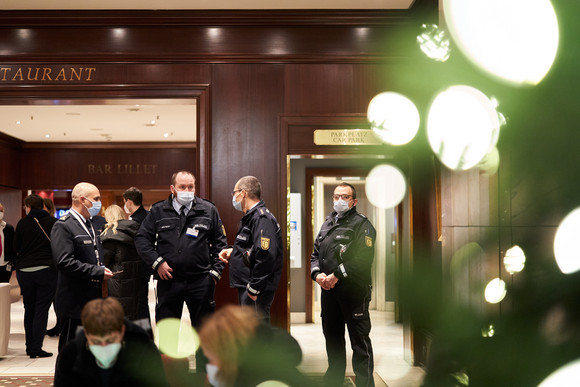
x,y
181,239
78,255
256,258
341,264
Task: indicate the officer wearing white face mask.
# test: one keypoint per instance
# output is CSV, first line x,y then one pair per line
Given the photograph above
x,y
109,351
78,255
341,264
180,239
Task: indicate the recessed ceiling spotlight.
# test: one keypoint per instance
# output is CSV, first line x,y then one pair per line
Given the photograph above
x,y
165,135
153,122
18,122
47,135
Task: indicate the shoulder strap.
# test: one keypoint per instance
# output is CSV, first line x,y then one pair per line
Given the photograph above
x,y
44,232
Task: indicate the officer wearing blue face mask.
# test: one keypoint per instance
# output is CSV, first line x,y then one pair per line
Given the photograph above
x,y
341,264
256,257
180,239
78,255
109,351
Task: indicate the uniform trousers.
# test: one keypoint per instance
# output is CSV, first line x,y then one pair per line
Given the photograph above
x,y
37,288
198,295
261,305
340,306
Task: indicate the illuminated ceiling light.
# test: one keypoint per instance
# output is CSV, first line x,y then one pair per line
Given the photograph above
x,y
488,331
18,122
567,243
393,117
495,291
176,339
47,135
434,43
515,40
566,375
385,186
153,122
462,127
514,260
165,135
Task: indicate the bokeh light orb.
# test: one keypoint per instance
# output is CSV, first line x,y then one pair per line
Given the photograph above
x,y
514,259
514,40
495,291
393,117
565,376
385,186
176,338
462,126
434,42
567,243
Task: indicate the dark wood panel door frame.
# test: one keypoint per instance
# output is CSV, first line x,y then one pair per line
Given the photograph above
x,y
30,95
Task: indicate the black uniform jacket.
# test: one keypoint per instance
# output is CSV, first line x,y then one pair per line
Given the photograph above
x,y
259,244
121,255
138,363
139,215
80,271
345,246
190,249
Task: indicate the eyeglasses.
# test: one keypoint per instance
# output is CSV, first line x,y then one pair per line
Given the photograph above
x,y
236,190
343,196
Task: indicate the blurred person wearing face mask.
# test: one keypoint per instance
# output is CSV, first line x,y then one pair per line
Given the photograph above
x,y
6,247
78,254
341,264
110,351
180,240
35,271
256,258
244,352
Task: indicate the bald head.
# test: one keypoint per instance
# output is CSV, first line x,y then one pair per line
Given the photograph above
x,y
83,195
83,190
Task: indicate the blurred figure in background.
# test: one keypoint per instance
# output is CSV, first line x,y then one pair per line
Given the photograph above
x,y
244,352
35,271
6,247
48,206
110,351
121,256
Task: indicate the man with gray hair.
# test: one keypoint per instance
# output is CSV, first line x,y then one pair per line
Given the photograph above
x,y
256,257
78,255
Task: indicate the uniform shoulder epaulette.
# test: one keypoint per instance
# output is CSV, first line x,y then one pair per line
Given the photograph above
x,y
63,218
209,201
361,215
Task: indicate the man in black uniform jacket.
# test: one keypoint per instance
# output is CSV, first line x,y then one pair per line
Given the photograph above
x,y
180,239
256,258
341,264
78,254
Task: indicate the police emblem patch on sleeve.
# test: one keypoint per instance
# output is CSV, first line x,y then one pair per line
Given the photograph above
x,y
369,241
265,243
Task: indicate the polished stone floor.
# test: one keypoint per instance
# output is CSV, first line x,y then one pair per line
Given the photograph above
x,y
387,337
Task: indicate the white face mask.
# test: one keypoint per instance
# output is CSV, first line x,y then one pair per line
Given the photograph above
x,y
212,371
1,215
340,206
106,355
185,197
237,205
126,209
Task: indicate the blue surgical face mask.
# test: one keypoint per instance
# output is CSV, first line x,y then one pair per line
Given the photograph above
x,y
95,209
237,205
185,197
212,371
106,355
340,206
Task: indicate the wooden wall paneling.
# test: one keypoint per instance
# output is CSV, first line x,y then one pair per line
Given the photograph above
x,y
246,101
10,165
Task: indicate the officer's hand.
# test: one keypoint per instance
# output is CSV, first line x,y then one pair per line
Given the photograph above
x,y
252,297
108,274
330,281
164,271
320,281
225,254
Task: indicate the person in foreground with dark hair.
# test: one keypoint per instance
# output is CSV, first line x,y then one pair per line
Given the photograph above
x,y
110,351
245,351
